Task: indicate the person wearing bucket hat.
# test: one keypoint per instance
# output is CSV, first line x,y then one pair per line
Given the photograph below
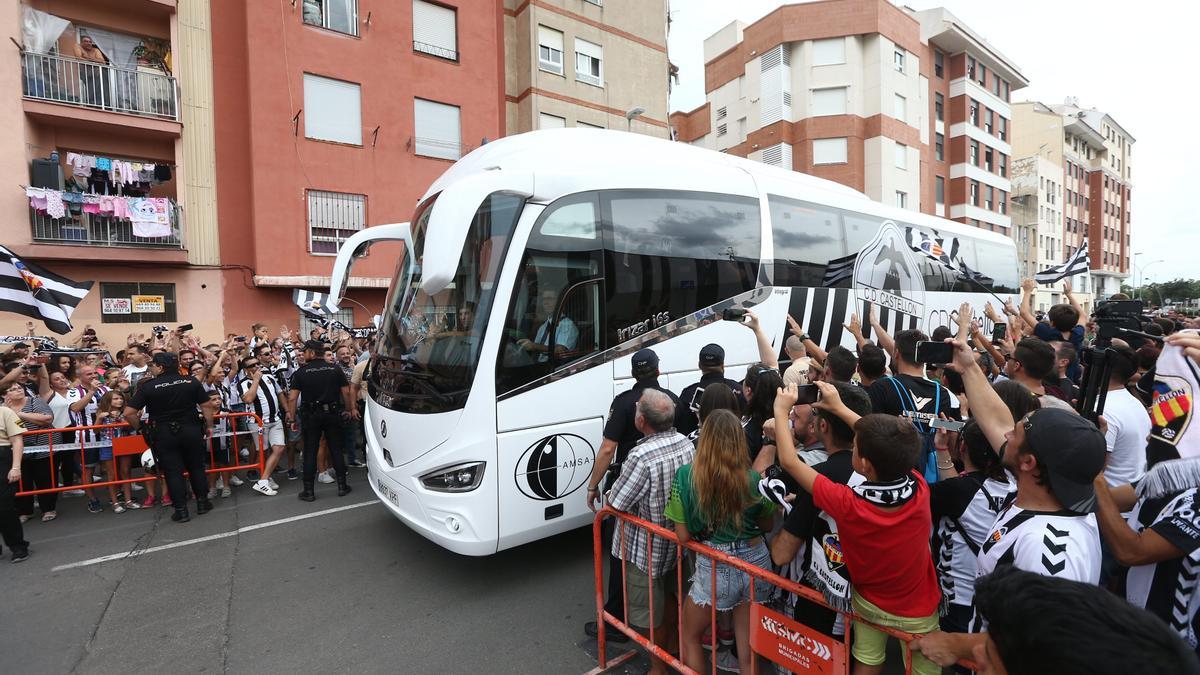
x,y
620,436
712,371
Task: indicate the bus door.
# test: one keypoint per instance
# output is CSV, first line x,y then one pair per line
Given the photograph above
x,y
552,385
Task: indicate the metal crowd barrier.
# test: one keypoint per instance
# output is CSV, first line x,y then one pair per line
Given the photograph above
x,y
134,445
777,637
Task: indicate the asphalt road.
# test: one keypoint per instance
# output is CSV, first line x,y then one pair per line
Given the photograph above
x,y
347,589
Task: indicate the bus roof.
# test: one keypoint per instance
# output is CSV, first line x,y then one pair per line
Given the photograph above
x,y
587,153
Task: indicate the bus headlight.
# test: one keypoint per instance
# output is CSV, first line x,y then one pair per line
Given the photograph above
x,y
457,478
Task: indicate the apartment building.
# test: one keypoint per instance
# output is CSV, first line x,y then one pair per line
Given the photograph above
x,y
110,154
1095,154
912,108
333,115
1037,211
586,63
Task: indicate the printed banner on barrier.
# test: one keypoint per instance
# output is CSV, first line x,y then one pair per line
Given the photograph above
x,y
793,645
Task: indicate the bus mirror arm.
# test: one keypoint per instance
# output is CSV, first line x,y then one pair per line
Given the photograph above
x,y
356,247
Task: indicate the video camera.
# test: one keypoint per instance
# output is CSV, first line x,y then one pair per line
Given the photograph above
x,y
1115,319
1122,319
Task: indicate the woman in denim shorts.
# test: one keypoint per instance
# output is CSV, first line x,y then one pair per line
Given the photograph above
x,y
715,500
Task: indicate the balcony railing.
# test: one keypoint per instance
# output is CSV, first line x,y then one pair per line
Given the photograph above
x,y
435,50
48,77
95,230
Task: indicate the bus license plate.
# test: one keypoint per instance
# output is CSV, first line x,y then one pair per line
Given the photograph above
x,y
388,492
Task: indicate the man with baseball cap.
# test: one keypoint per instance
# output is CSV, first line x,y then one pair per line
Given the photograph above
x,y
620,436
712,371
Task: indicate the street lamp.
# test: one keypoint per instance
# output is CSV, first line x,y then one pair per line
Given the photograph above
x,y
630,114
1141,274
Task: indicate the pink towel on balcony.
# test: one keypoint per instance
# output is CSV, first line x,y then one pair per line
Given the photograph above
x,y
91,204
37,198
151,217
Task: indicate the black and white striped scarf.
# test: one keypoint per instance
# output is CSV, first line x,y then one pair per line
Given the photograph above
x,y
890,494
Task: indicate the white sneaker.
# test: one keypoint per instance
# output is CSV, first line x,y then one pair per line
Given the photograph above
x,y
235,481
137,487
727,662
212,493
272,483
324,477
263,487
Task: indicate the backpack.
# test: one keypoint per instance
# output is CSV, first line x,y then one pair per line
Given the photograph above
x,y
928,450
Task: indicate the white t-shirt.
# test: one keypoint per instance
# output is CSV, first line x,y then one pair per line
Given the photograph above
x,y
1128,427
60,406
133,373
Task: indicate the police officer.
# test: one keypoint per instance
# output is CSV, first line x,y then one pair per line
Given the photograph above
x,y
620,435
325,404
712,371
176,429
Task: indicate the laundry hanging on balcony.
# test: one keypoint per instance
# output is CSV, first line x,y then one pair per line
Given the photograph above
x,y
150,216
121,172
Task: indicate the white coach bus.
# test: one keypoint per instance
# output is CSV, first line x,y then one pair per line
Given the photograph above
x,y
538,264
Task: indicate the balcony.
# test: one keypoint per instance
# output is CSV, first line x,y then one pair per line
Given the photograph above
x,y
95,230
94,86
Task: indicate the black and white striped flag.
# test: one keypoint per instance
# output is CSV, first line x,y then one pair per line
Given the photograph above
x,y
838,270
28,289
1078,263
314,302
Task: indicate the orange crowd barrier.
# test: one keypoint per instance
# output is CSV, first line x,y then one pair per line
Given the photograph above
x,y
774,636
135,445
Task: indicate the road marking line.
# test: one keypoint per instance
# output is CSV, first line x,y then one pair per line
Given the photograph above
x,y
212,537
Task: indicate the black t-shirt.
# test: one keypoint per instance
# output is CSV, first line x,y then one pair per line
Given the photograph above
x,y
917,399
620,426
320,382
170,398
1169,589
687,410
820,563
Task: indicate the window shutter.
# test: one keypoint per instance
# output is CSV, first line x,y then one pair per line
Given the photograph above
x,y
435,26
437,130
548,37
332,110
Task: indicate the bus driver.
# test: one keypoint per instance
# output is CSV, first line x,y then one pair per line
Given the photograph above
x,y
565,336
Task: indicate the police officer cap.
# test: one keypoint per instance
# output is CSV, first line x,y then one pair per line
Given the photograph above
x,y
645,362
168,360
712,355
314,345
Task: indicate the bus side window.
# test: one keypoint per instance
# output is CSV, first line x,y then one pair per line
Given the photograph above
x,y
550,321
806,237
671,253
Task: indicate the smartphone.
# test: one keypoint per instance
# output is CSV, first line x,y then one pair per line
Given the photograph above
x,y
734,314
998,333
934,352
948,425
240,338
807,393
185,328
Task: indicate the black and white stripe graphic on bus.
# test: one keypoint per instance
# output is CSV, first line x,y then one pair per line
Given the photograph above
x,y
824,312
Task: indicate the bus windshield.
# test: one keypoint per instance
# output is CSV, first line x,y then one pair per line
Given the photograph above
x,y
429,344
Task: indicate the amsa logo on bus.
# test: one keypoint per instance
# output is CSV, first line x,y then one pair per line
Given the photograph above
x,y
554,467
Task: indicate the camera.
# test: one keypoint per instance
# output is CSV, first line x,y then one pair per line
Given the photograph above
x,y
734,314
159,331
1120,319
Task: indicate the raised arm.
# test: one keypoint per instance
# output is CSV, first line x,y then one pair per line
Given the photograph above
x,y
789,461
766,353
811,348
1028,286
855,328
987,408
885,340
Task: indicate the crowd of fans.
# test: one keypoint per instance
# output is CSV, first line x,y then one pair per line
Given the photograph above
x,y
88,383
966,502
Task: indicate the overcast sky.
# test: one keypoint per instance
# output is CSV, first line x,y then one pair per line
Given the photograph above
x,y
1135,61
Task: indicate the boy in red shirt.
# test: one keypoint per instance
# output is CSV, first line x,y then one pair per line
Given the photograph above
x,y
884,525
